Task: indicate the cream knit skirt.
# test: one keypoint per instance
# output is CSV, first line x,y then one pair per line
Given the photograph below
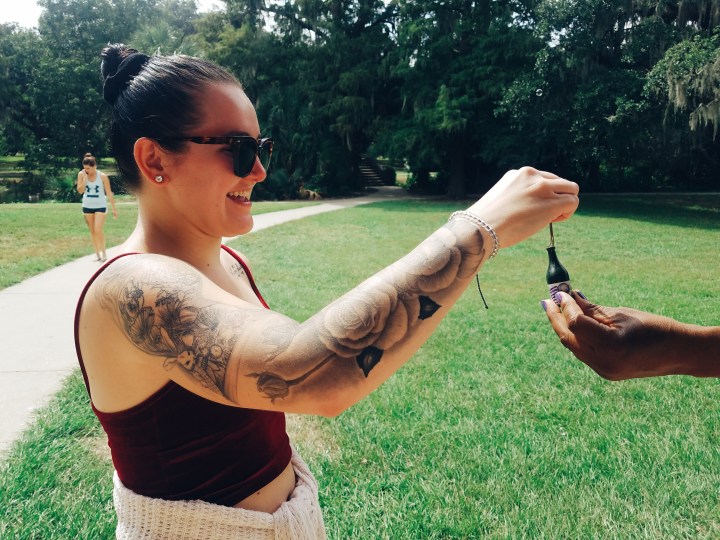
x,y
146,518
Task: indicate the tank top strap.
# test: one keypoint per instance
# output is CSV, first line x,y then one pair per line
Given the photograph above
x,y
245,267
77,315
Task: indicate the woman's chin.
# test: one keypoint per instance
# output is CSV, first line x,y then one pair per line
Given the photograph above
x,y
242,227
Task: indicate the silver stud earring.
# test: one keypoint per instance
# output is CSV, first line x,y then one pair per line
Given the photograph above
x,y
158,178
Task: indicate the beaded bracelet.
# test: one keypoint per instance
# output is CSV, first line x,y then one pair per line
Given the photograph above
x,y
468,216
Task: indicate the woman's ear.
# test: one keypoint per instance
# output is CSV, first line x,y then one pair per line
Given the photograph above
x,y
150,159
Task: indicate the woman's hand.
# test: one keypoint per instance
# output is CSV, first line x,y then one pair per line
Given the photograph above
x,y
82,181
622,343
524,201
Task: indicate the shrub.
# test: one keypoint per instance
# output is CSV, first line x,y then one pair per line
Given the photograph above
x,y
64,190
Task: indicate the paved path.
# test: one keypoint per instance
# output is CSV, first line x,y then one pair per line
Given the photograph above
x,y
36,317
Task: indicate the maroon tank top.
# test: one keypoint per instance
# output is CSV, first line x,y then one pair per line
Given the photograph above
x,y
177,445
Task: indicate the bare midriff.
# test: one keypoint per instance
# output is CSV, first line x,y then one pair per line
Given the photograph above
x,y
269,498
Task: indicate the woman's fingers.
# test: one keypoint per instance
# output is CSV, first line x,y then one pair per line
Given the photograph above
x,y
524,201
556,318
560,186
578,323
547,174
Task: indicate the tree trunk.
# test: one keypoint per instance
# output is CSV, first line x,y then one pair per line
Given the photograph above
x,y
592,182
456,181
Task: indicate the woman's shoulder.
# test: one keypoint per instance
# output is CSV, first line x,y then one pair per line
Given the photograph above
x,y
233,253
133,263
136,284
132,280
146,270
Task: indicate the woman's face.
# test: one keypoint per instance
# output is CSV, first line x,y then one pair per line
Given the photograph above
x,y
217,200
89,169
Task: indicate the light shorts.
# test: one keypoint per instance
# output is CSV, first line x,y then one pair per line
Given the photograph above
x,y
147,518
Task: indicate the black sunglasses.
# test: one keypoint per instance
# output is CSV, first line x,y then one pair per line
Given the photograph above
x,y
245,149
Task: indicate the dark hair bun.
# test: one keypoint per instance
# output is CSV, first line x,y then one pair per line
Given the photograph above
x,y
88,155
119,65
111,56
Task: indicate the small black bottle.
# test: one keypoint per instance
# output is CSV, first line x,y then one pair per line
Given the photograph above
x,y
557,276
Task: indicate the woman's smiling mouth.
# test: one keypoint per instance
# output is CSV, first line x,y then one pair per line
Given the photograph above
x,y
239,196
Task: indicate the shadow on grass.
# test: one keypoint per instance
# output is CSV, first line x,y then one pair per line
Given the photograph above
x,y
429,205
700,211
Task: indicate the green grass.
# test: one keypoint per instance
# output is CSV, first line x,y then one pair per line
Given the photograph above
x,y
37,237
493,430
10,161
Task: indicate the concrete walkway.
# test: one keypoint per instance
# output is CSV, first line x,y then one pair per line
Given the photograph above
x,y
36,317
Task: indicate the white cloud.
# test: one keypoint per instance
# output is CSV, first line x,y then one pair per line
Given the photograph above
x,y
23,12
209,5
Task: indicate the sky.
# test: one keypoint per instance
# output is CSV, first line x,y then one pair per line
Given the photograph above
x,y
26,12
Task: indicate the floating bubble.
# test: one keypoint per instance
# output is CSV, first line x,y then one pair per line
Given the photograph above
x,y
539,92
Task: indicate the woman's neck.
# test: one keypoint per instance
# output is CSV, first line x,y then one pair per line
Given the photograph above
x,y
205,255
202,252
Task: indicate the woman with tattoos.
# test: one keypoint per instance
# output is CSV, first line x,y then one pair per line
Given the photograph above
x,y
193,389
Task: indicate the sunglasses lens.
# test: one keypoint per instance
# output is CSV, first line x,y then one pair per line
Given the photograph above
x,y
244,157
246,151
265,153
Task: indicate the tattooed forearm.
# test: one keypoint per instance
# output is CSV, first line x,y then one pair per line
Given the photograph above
x,y
381,312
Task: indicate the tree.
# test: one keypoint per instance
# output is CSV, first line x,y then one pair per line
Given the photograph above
x,y
169,28
688,76
597,121
613,93
316,76
454,61
55,77
18,51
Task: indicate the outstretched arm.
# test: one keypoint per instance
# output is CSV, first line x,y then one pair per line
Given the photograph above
x,y
208,340
621,343
258,358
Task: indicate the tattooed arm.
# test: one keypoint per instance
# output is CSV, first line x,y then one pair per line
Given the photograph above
x,y
258,358
208,340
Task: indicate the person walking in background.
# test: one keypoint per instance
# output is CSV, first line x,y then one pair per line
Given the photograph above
x,y
188,370
620,343
95,188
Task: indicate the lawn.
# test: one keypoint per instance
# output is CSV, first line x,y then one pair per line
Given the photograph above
x,y
493,430
37,237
